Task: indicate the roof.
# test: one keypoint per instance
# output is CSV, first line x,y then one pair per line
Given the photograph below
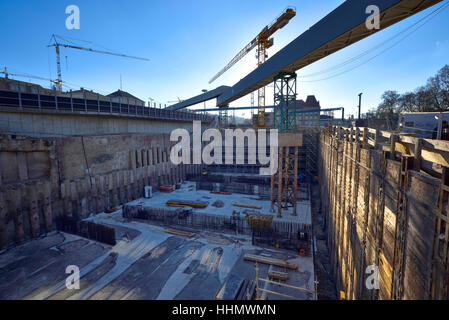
x,y
310,103
123,94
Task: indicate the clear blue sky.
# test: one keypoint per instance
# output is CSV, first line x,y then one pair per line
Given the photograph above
x,y
187,42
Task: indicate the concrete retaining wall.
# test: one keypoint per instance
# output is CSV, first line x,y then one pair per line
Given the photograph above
x,y
37,124
44,179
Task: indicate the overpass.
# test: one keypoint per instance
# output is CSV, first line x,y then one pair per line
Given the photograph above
x,y
342,27
43,115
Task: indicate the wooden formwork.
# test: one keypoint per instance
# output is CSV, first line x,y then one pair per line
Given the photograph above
x,y
386,203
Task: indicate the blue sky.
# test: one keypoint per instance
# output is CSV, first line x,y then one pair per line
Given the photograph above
x,y
187,42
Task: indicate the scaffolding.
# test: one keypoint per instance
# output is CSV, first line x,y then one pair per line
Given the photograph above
x,y
223,119
284,114
311,145
284,183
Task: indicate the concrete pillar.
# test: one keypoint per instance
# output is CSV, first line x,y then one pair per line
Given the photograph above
x,y
138,158
134,184
115,189
15,208
121,187
132,159
94,196
76,211
128,175
105,191
22,165
85,195
46,205
67,198
31,195
99,182
144,157
140,182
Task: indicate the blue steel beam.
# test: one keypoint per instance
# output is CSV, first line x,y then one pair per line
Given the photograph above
x,y
230,109
339,29
208,95
268,107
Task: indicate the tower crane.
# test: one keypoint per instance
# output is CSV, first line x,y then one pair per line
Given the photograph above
x,y
58,44
263,42
25,75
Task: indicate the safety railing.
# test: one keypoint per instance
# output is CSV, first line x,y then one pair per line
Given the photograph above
x,y
43,102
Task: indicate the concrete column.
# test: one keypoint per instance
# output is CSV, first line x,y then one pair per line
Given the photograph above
x,y
99,182
134,184
139,183
94,196
81,202
46,205
121,190
22,165
31,196
115,189
67,198
128,186
106,190
144,157
76,212
15,208
132,159
138,158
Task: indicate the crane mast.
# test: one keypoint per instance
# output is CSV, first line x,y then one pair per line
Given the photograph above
x,y
57,46
263,42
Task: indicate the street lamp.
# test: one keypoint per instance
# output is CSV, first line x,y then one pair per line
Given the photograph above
x,y
204,91
360,103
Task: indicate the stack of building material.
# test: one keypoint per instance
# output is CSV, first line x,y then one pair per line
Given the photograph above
x,y
221,192
187,203
259,220
166,188
271,261
180,232
277,275
246,205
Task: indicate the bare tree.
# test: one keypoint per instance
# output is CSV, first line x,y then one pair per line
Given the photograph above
x,y
407,102
434,96
389,104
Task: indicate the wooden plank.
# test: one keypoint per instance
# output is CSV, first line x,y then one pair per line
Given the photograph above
x,y
245,205
278,275
186,203
272,261
180,232
420,236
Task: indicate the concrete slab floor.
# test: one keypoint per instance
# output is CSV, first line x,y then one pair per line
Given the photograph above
x,y
188,192
146,263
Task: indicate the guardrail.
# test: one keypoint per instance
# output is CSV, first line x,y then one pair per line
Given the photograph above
x,y
43,102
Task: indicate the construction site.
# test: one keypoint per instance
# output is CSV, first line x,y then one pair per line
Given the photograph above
x,y
88,181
